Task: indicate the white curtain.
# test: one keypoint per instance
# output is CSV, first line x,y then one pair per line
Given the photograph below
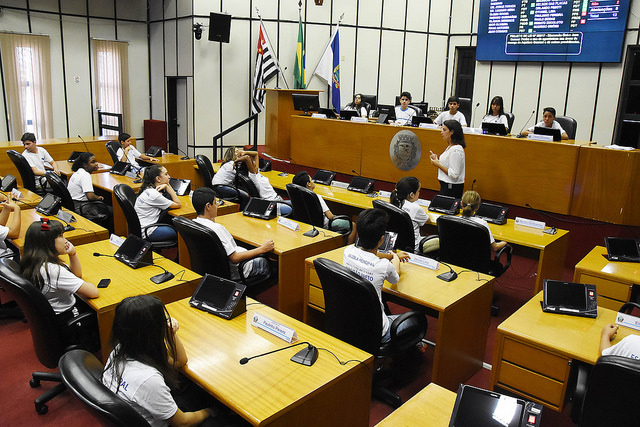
x,y
111,79
26,64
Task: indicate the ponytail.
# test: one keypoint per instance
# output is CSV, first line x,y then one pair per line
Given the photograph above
x,y
405,186
470,203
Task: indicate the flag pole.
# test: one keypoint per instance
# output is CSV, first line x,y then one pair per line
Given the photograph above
x,y
271,47
325,48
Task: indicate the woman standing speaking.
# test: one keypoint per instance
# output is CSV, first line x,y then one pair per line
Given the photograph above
x,y
451,162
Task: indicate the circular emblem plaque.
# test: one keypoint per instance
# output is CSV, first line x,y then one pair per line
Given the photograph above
x,y
405,150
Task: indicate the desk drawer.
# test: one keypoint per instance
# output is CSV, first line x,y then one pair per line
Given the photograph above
x,y
314,280
535,385
611,304
536,360
316,297
608,288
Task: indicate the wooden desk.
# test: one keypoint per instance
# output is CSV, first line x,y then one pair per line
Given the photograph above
x,y
272,390
432,406
462,308
534,351
615,281
126,282
85,230
29,199
291,247
106,182
65,167
176,167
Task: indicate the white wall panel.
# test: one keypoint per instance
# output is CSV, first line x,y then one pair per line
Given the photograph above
x,y
369,13
100,8
608,92
268,9
289,10
417,15
47,5
414,65
554,87
156,61
136,35
319,14
439,17
393,15
436,72
350,10
367,61
72,6
461,18
127,9
170,46
526,94
156,11
102,29
480,88
582,96
235,8
169,9
502,80
185,8
185,46
390,67
77,63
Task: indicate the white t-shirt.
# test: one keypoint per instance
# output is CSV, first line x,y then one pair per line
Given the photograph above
x,y
485,224
418,217
79,184
404,116
144,388
375,270
444,116
225,175
452,158
37,160
229,245
500,118
265,189
61,286
325,208
4,232
554,125
362,111
149,205
132,155
628,347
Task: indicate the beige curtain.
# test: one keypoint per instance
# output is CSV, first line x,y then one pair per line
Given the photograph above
x,y
26,64
111,79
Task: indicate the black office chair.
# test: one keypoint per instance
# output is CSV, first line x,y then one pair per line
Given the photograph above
x,y
95,211
569,124
243,183
50,340
510,119
81,373
112,149
29,179
465,109
400,222
209,256
205,169
353,314
232,194
306,208
608,395
126,198
372,100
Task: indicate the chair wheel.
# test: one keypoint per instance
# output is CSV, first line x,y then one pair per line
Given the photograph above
x,y
42,409
34,383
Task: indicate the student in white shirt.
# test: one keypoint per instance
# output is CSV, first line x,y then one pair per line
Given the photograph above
x,y
80,185
10,220
548,121
128,153
496,113
404,113
357,105
629,346
451,163
151,203
226,175
453,114
470,204
38,158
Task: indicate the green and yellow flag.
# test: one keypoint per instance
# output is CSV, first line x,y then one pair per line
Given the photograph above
x,y
298,69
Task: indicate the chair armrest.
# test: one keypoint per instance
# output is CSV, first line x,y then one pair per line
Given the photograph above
x,y
579,392
411,335
430,238
508,250
143,230
339,217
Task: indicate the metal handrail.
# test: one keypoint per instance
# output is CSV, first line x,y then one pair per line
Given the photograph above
x,y
253,117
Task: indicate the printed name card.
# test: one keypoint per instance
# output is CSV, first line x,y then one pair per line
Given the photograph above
x,y
628,321
383,193
530,223
291,225
274,328
319,115
16,193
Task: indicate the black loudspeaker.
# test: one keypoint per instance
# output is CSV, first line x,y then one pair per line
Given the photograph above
x,y
9,182
135,252
219,27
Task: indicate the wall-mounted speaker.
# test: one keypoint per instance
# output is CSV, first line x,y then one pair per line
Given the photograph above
x,y
219,27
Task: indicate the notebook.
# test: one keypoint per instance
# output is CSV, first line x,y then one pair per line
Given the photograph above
x,y
622,249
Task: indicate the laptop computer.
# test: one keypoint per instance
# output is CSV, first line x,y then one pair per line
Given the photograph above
x,y
555,133
575,299
494,128
416,120
260,208
622,249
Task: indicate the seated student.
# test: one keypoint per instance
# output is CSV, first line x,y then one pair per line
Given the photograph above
x,y
628,347
303,179
405,196
44,243
496,113
9,224
80,185
227,173
204,203
452,114
404,113
266,191
548,121
144,363
470,204
151,203
38,158
128,152
368,263
357,105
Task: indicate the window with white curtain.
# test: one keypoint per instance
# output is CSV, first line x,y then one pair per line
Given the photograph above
x,y
111,80
26,65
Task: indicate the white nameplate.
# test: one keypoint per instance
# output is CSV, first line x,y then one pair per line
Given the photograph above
x,y
429,125
17,194
116,240
386,194
466,129
319,115
339,184
130,174
274,328
423,261
540,225
628,321
539,137
291,225
359,120
423,202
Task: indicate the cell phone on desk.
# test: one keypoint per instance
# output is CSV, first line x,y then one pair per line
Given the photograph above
x,y
283,174
104,283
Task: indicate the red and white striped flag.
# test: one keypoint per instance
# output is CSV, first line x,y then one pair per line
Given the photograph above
x,y
266,69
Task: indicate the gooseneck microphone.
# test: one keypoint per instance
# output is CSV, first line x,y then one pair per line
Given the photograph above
x,y
186,156
448,276
473,183
85,144
474,111
525,124
306,356
160,278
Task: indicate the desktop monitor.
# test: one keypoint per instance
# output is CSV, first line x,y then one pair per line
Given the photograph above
x,y
555,133
386,112
305,102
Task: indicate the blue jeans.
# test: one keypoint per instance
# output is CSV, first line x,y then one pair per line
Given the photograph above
x,y
162,233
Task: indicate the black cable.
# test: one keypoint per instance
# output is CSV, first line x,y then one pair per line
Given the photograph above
x,y
181,273
347,361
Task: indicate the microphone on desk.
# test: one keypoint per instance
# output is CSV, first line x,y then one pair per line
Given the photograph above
x,y
520,135
186,156
552,229
474,111
85,144
306,356
473,183
448,276
356,173
159,278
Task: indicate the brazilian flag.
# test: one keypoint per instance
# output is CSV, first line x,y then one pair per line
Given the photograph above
x,y
298,69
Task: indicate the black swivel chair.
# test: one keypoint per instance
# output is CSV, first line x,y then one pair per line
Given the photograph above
x,y
569,124
205,169
26,173
510,119
81,373
353,314
126,198
93,210
112,149
307,209
372,100
245,184
50,341
208,255
465,109
400,222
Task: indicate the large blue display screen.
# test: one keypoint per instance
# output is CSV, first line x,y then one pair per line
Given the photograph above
x,y
551,30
